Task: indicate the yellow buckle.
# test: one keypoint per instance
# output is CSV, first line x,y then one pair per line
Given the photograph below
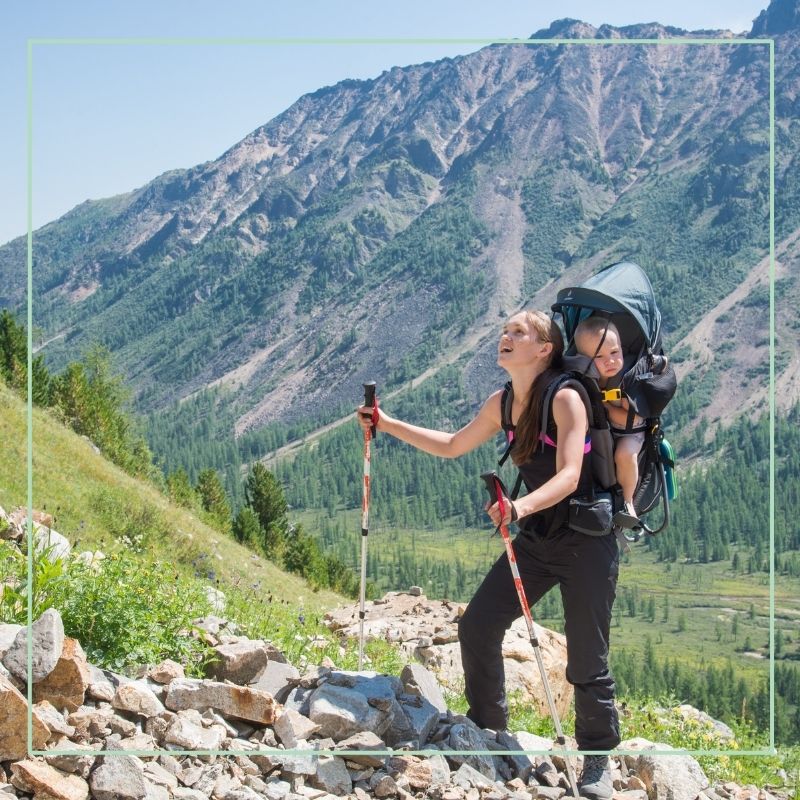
x,y
612,394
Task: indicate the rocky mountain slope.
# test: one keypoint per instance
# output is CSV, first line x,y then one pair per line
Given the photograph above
x,y
377,228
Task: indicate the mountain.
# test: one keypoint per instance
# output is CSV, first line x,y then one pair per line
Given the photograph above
x,y
378,229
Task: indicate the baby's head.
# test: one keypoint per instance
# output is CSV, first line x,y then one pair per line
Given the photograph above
x,y
588,335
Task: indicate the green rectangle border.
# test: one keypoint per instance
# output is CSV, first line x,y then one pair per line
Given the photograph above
x,y
771,750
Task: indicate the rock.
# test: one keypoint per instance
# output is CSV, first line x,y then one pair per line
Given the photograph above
x,y
276,678
440,770
240,662
46,644
75,765
65,687
46,781
415,770
231,701
8,632
291,726
14,724
384,786
168,670
159,776
118,777
298,763
521,765
668,777
54,719
274,789
90,721
720,728
100,686
137,698
332,776
51,544
552,792
546,773
124,727
421,717
422,682
138,742
216,599
363,742
466,736
467,777
184,793
186,734
341,712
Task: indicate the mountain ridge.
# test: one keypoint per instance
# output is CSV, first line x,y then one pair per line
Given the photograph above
x,y
372,222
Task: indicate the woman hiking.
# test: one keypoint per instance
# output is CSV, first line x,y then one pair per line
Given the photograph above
x,y
555,467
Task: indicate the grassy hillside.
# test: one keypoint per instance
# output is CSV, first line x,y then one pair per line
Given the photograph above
x,y
99,506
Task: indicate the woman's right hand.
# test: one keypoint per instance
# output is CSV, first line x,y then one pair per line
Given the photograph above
x,y
365,417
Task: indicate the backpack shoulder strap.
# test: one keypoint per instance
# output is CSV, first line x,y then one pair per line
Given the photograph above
x,y
506,404
572,381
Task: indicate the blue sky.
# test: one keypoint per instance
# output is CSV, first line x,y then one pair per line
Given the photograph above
x,y
108,119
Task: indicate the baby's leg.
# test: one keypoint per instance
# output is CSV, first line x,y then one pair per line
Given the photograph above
x,y
626,459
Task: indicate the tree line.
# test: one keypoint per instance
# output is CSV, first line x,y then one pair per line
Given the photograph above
x,y
91,400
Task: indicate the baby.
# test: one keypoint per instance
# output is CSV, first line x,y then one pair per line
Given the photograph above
x,y
608,358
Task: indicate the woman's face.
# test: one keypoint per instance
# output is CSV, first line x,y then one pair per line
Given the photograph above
x,y
519,343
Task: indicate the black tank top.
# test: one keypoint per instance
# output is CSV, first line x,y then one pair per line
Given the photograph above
x,y
540,467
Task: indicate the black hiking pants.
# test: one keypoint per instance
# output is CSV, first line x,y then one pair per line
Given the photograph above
x,y
586,569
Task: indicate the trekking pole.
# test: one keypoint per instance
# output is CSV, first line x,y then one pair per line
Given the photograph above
x,y
497,493
369,401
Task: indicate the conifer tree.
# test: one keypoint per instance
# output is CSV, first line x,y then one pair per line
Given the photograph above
x,y
264,494
214,499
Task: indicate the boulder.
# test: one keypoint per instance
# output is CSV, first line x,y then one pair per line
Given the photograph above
x,y
332,776
465,736
137,698
47,642
186,734
168,670
231,701
416,771
8,632
422,682
341,712
467,778
291,726
240,662
65,687
54,719
365,743
118,777
669,777
102,684
14,724
50,543
276,679
45,781
421,717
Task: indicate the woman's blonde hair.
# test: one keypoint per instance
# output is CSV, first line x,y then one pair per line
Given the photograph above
x,y
527,431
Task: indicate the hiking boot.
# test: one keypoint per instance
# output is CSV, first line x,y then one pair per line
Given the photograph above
x,y
595,780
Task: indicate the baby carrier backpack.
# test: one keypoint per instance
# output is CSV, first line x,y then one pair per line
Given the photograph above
x,y
622,294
